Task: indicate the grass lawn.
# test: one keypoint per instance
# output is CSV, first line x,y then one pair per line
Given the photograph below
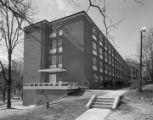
x,y
67,110
70,108
135,106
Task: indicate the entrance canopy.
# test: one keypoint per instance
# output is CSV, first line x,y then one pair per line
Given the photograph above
x,y
52,70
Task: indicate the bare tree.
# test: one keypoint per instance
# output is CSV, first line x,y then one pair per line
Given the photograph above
x,y
17,72
4,81
11,32
102,6
148,52
18,8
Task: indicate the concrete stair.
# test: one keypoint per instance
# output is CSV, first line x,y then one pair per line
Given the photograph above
x,y
104,103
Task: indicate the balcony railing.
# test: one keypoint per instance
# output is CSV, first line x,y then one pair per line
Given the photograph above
x,y
58,85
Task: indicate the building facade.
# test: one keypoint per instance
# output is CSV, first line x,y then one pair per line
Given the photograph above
x,y
69,51
134,72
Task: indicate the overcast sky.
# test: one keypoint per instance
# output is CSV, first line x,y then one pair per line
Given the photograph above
x,y
126,36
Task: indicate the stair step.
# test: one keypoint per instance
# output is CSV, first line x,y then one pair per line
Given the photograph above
x,y
103,100
103,103
101,106
99,97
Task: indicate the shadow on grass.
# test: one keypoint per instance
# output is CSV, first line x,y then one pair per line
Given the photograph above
x,y
77,92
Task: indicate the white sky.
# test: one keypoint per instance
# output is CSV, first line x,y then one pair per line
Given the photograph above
x,y
127,34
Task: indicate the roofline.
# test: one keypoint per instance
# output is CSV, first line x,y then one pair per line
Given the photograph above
x,y
67,17
35,24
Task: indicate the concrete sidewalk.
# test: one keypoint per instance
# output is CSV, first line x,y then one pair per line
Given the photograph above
x,y
100,114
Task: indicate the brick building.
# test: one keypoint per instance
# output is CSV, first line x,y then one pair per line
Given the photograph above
x,y
67,53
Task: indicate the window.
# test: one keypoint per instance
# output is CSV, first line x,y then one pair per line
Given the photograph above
x,y
106,69
59,42
106,78
106,45
100,50
110,70
101,78
52,60
93,30
60,59
101,67
101,37
94,45
52,35
53,44
100,43
60,33
95,77
106,56
101,40
101,64
94,61
112,61
109,59
94,37
94,67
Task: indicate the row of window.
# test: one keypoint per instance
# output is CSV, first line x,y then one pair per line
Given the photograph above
x,y
107,47
54,43
100,78
97,77
54,34
108,67
55,59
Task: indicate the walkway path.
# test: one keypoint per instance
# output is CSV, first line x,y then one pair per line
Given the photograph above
x,y
100,114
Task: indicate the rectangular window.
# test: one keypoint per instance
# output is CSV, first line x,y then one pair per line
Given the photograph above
x,y
60,32
53,44
100,50
101,78
106,45
94,66
106,78
53,59
93,30
106,57
100,43
101,67
52,35
106,69
109,59
94,37
95,77
59,43
60,59
94,46
94,61
101,37
101,64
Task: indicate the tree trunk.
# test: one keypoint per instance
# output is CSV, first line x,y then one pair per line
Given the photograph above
x,y
4,91
9,81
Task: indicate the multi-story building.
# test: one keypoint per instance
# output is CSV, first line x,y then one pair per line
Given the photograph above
x,y
69,51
